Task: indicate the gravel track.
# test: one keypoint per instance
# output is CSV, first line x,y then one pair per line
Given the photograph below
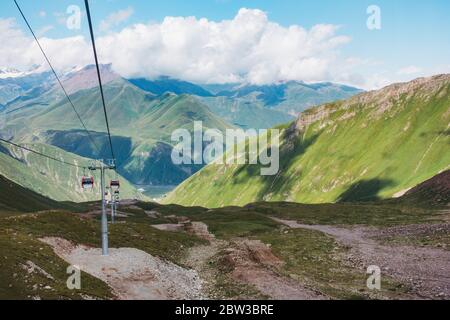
x,y
425,270
131,273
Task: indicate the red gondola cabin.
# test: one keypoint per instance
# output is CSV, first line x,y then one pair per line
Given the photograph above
x,y
115,185
87,183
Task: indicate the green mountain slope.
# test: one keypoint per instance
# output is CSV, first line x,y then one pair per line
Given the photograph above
x,y
14,198
53,179
434,192
372,146
141,124
164,85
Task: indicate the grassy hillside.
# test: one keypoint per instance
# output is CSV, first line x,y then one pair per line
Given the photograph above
x,y
164,85
14,198
434,192
141,124
53,179
370,147
30,269
132,113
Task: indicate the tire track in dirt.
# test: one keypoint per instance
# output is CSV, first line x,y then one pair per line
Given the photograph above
x,y
251,262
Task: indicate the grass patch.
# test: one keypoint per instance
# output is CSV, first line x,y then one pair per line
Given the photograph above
x,y
347,214
16,282
315,259
19,242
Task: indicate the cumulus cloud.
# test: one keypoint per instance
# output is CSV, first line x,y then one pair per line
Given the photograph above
x,y
248,48
19,50
115,19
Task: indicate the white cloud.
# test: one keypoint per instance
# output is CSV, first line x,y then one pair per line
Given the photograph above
x,y
42,14
19,50
248,48
410,70
116,19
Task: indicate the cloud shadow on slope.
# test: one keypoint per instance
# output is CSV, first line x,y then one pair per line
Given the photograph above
x,y
365,190
288,156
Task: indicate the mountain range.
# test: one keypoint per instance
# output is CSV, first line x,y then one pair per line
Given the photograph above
x,y
375,145
143,114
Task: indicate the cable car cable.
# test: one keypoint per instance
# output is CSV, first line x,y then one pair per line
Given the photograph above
x,y
42,154
88,12
57,77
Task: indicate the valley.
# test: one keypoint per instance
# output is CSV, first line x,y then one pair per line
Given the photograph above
x,y
224,158
144,115
376,145
259,251
363,182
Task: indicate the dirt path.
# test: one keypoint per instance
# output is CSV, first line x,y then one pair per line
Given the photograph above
x,y
131,273
252,263
426,270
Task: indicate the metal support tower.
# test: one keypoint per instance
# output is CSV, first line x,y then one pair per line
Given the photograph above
x,y
113,207
100,165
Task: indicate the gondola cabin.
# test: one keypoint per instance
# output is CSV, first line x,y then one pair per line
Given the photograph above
x,y
115,185
87,183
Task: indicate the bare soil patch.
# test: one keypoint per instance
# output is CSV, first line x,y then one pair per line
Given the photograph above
x,y
253,263
131,273
250,262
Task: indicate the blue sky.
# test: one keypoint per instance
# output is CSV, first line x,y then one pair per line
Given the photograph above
x,y
413,40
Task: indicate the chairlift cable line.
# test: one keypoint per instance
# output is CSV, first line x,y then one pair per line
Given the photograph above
x,y
56,76
42,154
88,12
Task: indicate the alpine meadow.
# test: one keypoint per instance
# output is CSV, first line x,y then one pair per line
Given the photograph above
x,y
218,159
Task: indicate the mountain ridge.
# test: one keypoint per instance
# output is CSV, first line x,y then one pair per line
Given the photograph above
x,y
368,147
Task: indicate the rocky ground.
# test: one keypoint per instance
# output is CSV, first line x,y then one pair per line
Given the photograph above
x,y
424,269
290,260
131,273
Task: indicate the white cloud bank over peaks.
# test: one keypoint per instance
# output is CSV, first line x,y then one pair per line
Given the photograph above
x,y
248,48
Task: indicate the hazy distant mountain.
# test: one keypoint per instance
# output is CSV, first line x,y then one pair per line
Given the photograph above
x,y
291,97
246,114
24,85
251,106
167,85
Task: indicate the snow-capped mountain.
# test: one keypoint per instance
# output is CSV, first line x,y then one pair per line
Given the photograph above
x,y
8,72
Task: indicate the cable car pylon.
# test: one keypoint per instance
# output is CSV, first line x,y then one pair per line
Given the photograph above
x,y
114,187
100,165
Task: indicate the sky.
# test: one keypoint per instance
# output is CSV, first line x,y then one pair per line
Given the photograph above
x,y
249,41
